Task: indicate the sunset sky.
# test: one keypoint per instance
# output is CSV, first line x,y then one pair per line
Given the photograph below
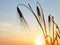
x,y
10,30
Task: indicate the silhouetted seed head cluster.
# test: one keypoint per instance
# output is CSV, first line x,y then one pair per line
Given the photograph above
x,y
49,19
22,19
38,11
20,13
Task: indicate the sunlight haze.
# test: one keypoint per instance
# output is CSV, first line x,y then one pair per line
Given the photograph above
x,y
11,31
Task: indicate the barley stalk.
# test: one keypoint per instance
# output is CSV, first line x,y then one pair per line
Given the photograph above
x,y
43,19
53,28
49,20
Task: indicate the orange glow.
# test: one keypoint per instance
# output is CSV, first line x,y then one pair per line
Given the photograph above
x,y
28,38
39,40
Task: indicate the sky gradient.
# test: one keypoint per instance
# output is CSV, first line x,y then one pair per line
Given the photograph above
x,y
10,29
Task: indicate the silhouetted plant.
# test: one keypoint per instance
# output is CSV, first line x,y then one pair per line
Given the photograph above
x,y
43,27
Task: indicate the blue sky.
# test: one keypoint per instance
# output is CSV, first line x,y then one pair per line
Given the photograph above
x,y
8,8
8,12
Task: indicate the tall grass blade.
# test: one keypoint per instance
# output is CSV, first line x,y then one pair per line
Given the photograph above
x,y
43,19
44,23
53,28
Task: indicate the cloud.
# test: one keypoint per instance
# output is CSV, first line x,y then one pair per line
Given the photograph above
x,y
8,28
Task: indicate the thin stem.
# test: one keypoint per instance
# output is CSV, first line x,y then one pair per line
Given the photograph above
x,y
49,37
43,18
57,26
53,28
49,20
56,39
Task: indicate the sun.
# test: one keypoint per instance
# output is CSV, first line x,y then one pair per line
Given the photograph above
x,y
38,42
